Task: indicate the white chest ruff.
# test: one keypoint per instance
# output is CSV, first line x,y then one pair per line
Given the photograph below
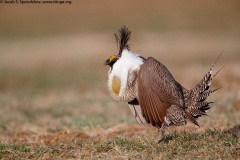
x,y
124,93
122,78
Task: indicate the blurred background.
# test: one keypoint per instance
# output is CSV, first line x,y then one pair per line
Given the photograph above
x,y
52,76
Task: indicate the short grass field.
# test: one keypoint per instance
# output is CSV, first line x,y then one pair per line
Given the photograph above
x,y
54,102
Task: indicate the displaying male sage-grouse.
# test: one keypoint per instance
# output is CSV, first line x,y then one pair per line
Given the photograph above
x,y
154,96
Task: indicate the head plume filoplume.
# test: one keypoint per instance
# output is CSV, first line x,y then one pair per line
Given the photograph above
x,y
122,38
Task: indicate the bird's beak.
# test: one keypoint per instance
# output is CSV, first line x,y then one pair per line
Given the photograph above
x,y
107,62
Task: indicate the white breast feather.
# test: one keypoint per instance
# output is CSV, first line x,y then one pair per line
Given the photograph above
x,y
128,62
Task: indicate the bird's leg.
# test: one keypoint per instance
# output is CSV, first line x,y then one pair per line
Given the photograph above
x,y
160,135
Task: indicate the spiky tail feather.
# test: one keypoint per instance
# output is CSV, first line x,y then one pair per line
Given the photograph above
x,y
195,98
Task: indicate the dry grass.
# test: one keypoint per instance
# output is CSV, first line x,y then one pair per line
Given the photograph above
x,y
54,102
124,142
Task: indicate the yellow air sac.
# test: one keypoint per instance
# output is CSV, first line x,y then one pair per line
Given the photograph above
x,y
116,85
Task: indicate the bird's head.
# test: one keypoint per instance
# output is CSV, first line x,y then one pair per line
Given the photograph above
x,y
122,38
111,60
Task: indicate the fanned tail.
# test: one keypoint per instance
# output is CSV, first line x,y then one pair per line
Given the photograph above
x,y
195,98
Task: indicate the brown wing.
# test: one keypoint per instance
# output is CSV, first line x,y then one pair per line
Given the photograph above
x,y
157,91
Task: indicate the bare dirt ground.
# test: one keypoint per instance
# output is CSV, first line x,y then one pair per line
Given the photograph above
x,y
54,103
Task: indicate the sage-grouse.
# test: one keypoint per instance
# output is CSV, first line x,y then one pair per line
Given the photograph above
x,y
154,96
